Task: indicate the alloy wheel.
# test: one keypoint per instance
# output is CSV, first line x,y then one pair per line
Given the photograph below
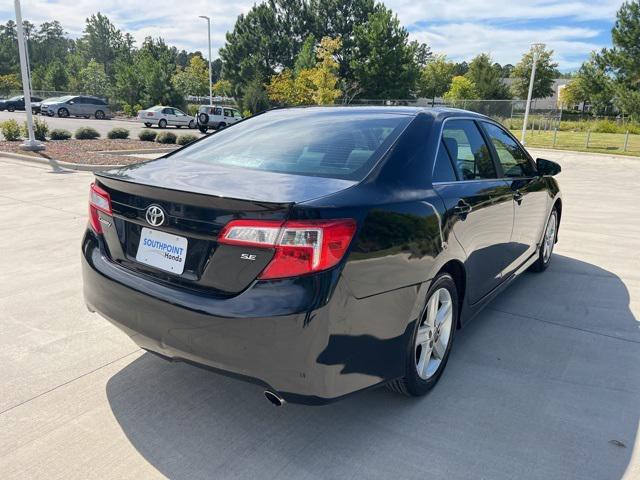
x,y
434,334
549,238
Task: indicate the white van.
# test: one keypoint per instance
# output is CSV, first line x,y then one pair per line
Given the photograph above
x,y
215,116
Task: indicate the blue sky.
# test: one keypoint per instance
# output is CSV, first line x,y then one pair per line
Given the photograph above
x,y
457,28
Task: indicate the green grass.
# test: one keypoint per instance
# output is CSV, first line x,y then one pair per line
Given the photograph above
x,y
612,143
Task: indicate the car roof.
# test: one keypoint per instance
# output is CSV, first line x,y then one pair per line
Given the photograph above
x,y
438,113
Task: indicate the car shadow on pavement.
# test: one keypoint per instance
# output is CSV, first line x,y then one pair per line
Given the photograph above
x,y
545,383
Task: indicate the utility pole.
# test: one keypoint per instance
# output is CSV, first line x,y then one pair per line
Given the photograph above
x,y
536,48
30,143
209,32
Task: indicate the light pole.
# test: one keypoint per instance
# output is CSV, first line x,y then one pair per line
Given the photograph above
x,y
209,27
31,143
535,50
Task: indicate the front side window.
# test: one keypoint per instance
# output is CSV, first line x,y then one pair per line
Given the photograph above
x,y
513,159
468,150
321,143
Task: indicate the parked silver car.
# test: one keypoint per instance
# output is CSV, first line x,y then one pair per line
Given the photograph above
x,y
164,116
215,116
77,106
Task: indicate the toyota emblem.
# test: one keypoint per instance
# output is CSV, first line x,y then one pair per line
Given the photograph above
x,y
155,215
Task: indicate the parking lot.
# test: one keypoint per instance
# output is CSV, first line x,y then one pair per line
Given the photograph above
x,y
102,126
544,384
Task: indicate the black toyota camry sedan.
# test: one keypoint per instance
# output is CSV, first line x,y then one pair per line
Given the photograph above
x,y
320,251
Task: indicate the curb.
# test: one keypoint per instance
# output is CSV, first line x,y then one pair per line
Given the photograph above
x,y
597,154
57,165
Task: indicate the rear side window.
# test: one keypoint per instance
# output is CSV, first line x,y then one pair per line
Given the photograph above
x,y
228,113
467,148
443,169
217,111
322,143
513,160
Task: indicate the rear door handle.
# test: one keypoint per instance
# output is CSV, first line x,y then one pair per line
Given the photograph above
x,y
517,196
462,208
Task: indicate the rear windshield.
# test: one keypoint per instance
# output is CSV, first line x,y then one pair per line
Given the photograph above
x,y
319,143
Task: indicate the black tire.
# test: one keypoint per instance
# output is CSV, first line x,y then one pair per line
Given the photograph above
x,y
412,384
203,128
162,123
221,125
11,109
63,112
147,124
192,124
541,263
203,119
99,115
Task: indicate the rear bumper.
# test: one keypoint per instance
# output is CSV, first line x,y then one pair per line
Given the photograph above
x,y
305,338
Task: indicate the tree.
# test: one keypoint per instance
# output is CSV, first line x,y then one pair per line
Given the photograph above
x,y
384,62
128,84
194,79
56,77
255,97
309,86
546,72
102,41
435,78
223,88
487,78
623,59
461,68
462,88
93,79
156,63
307,56
590,84
9,82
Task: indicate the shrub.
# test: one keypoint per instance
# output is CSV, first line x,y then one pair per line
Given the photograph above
x,y
185,139
166,137
10,130
147,135
86,133
192,109
60,134
118,132
128,110
40,129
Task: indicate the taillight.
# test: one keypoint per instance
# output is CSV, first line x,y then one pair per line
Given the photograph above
x,y
301,247
99,200
150,114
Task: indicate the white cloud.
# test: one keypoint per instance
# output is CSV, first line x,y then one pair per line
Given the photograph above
x,y
460,28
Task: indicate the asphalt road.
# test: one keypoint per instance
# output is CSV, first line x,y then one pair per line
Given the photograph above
x,y
544,384
73,123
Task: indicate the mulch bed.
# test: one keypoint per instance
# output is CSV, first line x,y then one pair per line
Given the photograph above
x,y
86,151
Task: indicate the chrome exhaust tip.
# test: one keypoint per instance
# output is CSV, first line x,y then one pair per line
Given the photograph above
x,y
274,398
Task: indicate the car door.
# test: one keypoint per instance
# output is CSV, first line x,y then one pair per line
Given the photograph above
x,y
528,189
479,205
228,116
180,117
167,114
77,106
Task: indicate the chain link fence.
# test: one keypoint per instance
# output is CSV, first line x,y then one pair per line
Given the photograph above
x,y
548,126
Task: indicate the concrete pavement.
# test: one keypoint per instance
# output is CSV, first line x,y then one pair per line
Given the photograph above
x,y
102,126
544,384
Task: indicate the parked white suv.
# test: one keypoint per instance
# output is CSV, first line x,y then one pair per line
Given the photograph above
x,y
164,116
216,117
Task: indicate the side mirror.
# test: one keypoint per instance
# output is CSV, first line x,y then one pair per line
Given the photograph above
x,y
547,167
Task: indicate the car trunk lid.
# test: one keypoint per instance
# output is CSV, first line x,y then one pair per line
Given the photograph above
x,y
197,203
